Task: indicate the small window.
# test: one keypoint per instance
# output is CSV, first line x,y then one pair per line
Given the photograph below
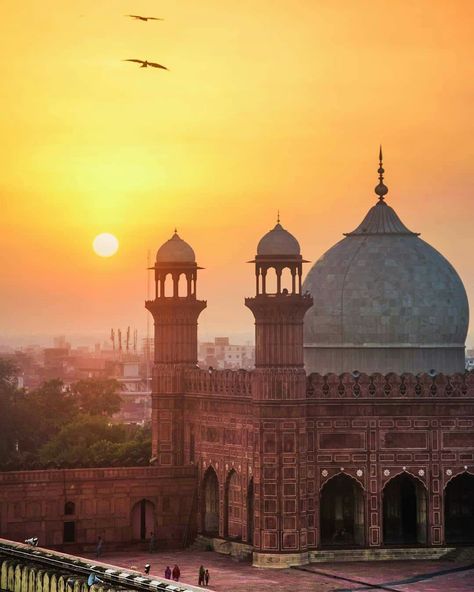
x,y
69,532
69,508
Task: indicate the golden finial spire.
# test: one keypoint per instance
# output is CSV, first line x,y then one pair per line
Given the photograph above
x,y
381,190
278,216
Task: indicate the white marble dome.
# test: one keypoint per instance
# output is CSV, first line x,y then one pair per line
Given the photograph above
x,y
175,250
385,301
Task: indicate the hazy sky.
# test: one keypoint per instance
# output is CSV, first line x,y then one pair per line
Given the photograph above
x,y
269,104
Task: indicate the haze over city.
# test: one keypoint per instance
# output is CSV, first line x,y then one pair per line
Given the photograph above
x,y
272,105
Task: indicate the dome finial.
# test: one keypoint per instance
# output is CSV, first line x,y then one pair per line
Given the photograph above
x,y
175,230
381,190
278,216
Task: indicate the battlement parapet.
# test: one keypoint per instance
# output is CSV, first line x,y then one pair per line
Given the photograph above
x,y
219,382
393,386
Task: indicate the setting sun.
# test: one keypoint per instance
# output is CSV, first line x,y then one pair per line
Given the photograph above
x,y
105,244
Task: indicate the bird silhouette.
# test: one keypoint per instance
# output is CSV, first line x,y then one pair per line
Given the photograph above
x,y
138,17
146,63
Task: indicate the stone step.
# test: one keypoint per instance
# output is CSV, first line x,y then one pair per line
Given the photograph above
x,y
347,555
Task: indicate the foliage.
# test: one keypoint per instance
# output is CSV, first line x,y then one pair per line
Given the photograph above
x,y
52,426
98,396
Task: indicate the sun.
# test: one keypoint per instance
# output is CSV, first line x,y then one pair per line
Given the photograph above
x,y
105,244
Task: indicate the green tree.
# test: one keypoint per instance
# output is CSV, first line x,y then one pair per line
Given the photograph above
x,y
98,396
8,412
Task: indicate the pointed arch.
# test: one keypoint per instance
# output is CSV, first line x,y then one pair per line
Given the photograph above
x,y
342,512
142,519
210,502
459,509
404,508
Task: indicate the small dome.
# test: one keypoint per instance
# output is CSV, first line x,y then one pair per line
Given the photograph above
x,y
175,250
278,242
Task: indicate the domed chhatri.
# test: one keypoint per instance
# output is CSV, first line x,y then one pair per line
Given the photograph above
x,y
385,301
175,250
278,242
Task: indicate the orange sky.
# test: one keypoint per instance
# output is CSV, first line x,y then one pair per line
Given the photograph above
x,y
269,104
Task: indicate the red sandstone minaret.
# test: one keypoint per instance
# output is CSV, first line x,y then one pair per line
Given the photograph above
x,y
279,404
279,312
175,311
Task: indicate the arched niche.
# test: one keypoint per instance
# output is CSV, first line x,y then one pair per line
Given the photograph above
x,y
404,511
459,510
342,514
210,503
143,520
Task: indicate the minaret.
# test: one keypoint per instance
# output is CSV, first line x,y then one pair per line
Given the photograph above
x,y
279,404
279,313
175,311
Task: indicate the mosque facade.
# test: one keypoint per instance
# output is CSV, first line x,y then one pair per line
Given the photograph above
x,y
355,429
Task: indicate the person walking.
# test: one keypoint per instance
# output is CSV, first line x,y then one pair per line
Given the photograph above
x,y
176,572
201,576
206,577
168,573
147,568
98,549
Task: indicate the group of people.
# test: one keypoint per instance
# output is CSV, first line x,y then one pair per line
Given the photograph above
x,y
203,579
175,574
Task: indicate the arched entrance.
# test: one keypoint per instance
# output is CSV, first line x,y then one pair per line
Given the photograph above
x,y
250,510
459,510
342,512
143,520
404,511
210,503
233,506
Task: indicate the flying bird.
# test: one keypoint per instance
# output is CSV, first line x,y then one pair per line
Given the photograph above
x,y
138,17
146,63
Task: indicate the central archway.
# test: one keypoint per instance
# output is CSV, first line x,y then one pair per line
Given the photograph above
x,y
342,512
404,511
459,510
210,503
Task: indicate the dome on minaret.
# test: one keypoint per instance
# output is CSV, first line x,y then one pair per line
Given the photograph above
x,y
278,241
385,301
175,250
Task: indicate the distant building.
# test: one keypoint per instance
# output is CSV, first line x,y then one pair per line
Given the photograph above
x,y
221,354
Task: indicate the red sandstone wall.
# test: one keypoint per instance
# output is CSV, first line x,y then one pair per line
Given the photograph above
x,y
32,503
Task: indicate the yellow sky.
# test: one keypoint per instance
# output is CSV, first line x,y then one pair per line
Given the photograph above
x,y
268,104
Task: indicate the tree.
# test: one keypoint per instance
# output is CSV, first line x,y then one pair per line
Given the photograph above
x,y
98,396
8,411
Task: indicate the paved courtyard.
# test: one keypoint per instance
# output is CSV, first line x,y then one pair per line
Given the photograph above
x,y
230,576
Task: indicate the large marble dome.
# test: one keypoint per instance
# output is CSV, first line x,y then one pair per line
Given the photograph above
x,y
385,301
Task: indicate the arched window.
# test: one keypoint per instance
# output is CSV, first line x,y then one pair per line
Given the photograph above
x,y
69,508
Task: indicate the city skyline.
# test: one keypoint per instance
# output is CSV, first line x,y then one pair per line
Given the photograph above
x,y
248,121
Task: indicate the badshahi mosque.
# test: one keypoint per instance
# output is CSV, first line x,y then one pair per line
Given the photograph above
x,y
354,431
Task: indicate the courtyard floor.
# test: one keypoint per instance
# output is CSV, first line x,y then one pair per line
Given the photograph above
x,y
228,575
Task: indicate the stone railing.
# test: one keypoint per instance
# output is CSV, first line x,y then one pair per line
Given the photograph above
x,y
356,385
219,382
33,569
